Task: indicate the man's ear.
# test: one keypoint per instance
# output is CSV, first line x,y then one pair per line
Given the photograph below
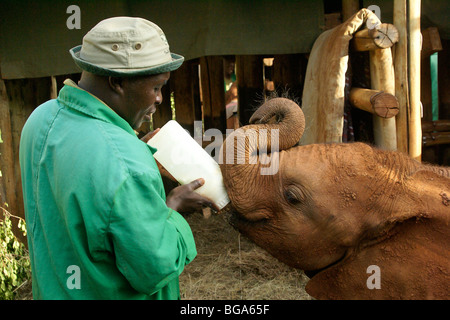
x,y
116,84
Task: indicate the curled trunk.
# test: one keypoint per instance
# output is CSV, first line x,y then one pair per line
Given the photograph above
x,y
253,150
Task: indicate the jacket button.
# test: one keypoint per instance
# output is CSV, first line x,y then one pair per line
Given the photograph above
x,y
138,45
115,47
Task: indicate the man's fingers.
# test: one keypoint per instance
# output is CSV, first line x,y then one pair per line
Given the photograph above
x,y
203,201
197,183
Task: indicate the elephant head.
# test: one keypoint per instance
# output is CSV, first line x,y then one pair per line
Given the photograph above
x,y
362,222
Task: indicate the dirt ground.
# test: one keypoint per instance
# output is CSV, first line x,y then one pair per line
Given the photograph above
x,y
229,267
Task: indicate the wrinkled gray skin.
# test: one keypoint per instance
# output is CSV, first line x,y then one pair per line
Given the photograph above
x,y
334,210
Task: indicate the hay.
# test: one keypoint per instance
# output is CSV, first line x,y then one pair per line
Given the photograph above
x,y
229,267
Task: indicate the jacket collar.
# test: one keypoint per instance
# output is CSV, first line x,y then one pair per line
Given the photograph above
x,y
76,98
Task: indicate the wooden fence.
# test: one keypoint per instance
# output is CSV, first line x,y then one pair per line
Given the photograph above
x,y
198,94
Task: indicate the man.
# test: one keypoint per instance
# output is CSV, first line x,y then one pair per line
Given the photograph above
x,y
99,225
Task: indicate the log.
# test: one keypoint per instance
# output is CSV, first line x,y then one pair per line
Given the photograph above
x,y
249,74
431,42
53,88
186,95
439,125
7,160
435,138
213,92
382,104
377,38
287,74
414,48
383,79
401,75
164,111
349,8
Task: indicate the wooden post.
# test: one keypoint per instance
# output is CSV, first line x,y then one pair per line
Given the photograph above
x,y
349,8
415,131
22,97
379,103
7,154
213,92
382,78
185,85
163,112
401,75
287,74
53,88
249,74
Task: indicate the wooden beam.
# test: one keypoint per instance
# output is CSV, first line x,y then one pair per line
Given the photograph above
x,y
249,74
379,103
185,85
382,78
371,39
415,129
439,125
444,80
163,112
431,42
213,92
7,161
435,138
288,71
401,75
349,8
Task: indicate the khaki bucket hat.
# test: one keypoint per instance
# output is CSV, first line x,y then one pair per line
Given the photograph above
x,y
125,46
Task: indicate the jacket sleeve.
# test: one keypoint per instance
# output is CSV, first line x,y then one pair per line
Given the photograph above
x,y
152,243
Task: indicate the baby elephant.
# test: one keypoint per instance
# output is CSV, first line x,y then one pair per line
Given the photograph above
x,y
363,223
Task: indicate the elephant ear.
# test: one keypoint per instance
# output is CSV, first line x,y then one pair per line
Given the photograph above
x,y
410,263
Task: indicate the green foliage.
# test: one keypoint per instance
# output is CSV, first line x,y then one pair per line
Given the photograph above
x,y
14,259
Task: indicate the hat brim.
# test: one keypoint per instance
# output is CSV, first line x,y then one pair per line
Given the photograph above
x,y
176,62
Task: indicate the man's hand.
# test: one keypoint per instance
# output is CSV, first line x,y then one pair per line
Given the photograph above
x,y
183,199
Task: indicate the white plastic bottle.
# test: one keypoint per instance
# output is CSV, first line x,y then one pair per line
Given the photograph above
x,y
186,161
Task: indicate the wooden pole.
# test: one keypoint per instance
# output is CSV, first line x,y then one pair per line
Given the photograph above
x,y
383,79
435,138
349,8
53,88
415,131
164,112
371,39
401,75
379,103
7,154
213,92
249,74
439,125
185,83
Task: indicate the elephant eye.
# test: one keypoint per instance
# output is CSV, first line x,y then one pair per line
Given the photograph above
x,y
291,197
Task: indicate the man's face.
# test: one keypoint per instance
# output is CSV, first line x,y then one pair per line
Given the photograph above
x,y
141,95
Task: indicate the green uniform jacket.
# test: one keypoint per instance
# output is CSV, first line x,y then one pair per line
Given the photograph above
x,y
97,221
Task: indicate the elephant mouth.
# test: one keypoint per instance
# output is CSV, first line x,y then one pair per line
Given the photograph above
x,y
312,273
240,222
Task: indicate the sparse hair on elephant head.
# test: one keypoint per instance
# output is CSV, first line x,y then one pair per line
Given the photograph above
x,y
338,210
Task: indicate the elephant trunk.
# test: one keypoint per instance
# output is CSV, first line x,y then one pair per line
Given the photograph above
x,y
253,150
277,125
